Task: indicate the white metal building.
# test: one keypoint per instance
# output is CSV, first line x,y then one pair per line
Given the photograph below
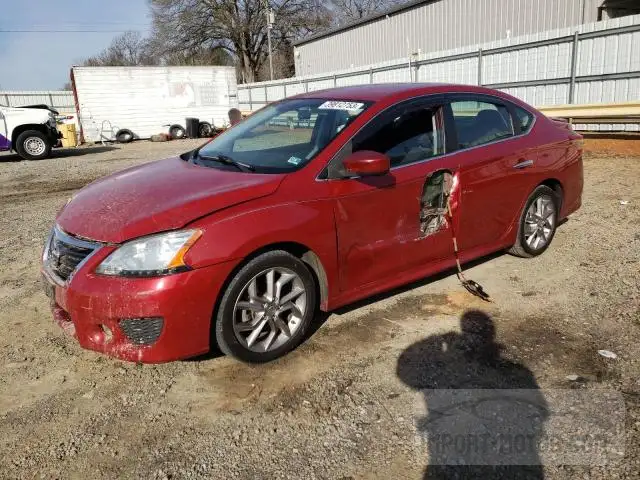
x,y
425,26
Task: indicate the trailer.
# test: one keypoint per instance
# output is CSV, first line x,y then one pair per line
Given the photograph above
x,y
126,103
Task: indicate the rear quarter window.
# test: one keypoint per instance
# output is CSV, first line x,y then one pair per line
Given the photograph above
x,y
524,118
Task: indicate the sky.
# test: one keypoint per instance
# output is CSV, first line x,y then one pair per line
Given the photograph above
x,y
42,60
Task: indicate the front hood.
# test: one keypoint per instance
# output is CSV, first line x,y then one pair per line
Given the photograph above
x,y
158,196
26,115
43,107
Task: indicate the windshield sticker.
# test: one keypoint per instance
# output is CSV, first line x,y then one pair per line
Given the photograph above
x,y
335,105
294,160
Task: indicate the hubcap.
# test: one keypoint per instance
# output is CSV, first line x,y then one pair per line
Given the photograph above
x,y
539,222
269,309
34,146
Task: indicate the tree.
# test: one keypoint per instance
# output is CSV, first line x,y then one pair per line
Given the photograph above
x,y
128,49
346,11
235,26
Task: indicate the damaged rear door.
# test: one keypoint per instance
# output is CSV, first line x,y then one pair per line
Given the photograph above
x,y
494,168
389,224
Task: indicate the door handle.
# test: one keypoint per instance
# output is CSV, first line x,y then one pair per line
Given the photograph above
x,y
523,164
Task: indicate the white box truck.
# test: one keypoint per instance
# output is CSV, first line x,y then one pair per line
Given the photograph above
x,y
125,103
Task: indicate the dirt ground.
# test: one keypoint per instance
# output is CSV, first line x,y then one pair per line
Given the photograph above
x,y
343,405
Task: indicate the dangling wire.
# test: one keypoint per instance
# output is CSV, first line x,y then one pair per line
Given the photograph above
x,y
471,286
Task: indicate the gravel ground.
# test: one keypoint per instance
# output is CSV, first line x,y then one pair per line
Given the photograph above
x,y
347,403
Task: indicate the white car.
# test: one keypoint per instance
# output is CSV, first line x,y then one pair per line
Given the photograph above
x,y
30,131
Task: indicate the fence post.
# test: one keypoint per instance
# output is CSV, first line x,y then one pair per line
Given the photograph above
x,y
266,93
284,86
250,101
479,67
306,86
370,74
415,78
51,101
574,65
6,99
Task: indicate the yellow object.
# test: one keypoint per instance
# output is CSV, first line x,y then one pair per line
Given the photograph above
x,y
626,109
68,131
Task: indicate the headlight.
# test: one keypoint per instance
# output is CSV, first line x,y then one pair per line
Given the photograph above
x,y
151,256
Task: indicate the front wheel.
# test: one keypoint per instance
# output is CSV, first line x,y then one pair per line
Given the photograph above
x,y
538,223
266,308
33,145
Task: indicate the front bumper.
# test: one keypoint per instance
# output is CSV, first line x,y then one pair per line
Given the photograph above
x,y
88,303
54,135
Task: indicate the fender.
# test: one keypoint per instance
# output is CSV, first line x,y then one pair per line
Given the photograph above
x,y
235,237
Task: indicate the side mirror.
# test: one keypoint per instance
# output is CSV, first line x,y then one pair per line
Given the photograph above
x,y
366,163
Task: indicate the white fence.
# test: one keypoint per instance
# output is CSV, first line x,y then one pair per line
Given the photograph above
x,y
61,100
592,63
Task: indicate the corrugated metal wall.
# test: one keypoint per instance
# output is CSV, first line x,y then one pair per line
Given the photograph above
x,y
534,67
440,25
61,100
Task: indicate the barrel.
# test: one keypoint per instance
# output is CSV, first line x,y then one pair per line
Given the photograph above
x,y
193,126
68,131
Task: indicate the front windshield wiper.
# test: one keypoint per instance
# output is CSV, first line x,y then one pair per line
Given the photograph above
x,y
245,167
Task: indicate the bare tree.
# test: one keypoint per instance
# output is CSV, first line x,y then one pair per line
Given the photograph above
x,y
350,10
237,26
127,49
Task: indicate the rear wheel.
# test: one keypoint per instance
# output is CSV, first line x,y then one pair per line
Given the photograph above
x,y
267,308
538,223
33,145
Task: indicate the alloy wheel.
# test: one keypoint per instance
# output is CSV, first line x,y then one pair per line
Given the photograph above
x,y
540,222
269,309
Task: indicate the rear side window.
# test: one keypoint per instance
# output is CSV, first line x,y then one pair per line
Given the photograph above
x,y
524,118
480,122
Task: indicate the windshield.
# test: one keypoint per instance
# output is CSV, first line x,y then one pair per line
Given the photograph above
x,y
282,137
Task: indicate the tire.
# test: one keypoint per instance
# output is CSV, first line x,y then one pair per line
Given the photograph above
x,y
124,135
526,246
177,132
205,130
229,319
33,145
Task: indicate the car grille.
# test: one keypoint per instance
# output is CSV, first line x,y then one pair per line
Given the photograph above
x,y
142,331
64,253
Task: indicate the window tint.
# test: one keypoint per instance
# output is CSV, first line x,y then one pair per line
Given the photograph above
x,y
478,123
406,136
524,118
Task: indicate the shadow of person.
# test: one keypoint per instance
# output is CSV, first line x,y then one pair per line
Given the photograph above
x,y
485,412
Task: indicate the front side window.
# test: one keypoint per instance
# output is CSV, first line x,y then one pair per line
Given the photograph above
x,y
282,137
480,122
407,136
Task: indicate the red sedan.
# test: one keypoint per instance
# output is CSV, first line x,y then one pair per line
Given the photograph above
x,y
311,203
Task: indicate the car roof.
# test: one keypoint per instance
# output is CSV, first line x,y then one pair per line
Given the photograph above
x,y
386,91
